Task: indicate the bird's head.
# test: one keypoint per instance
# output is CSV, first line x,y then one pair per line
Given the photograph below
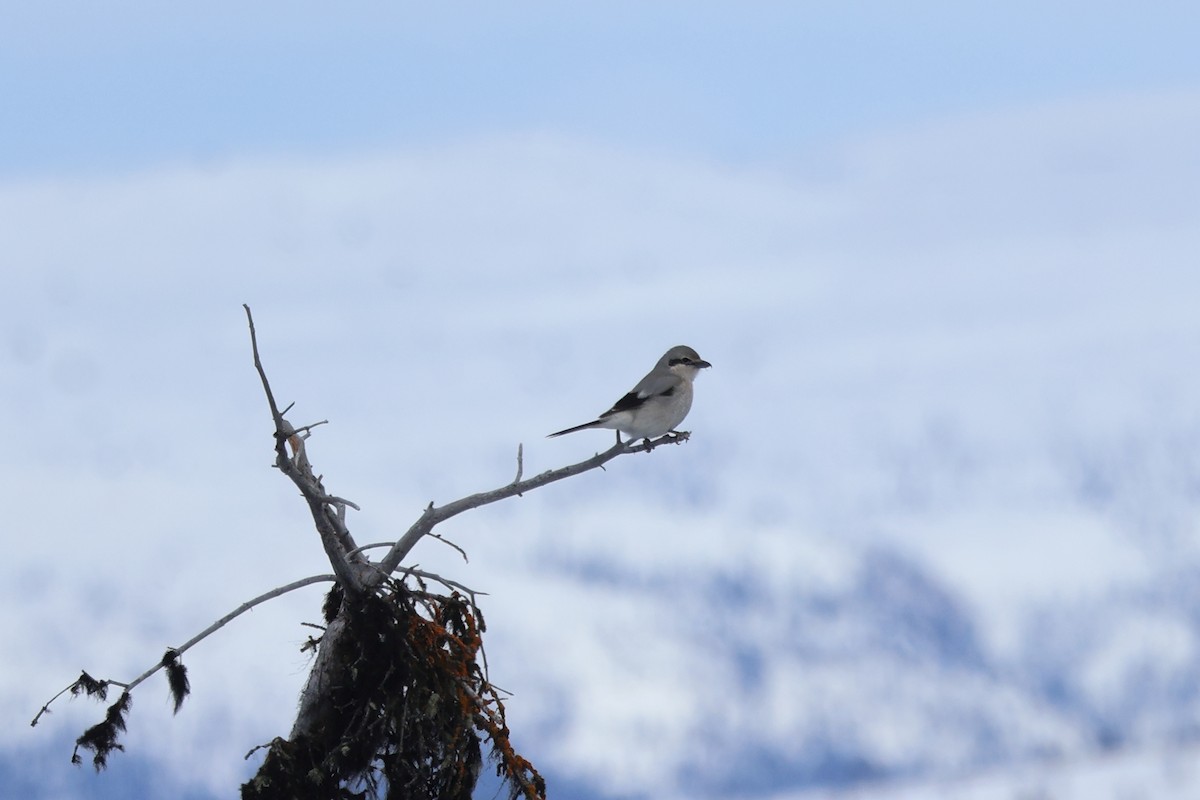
x,y
683,361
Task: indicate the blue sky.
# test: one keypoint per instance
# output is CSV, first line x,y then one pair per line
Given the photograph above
x,y
128,84
943,258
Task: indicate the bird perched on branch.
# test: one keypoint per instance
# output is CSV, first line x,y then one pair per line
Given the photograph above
x,y
658,403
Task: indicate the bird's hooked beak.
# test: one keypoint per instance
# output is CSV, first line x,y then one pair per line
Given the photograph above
x,y
701,364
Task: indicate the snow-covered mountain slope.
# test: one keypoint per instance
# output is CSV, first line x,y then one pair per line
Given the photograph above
x,y
821,664
938,514
1168,772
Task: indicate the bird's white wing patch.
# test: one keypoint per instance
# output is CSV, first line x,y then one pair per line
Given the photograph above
x,y
656,384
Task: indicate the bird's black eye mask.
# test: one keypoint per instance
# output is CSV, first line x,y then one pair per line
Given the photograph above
x,y
683,360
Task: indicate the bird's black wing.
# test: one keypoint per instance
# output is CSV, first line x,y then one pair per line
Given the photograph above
x,y
635,400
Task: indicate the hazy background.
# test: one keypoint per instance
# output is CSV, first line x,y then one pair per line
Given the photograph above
x,y
935,531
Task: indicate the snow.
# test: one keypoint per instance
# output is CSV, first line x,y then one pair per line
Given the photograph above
x,y
1159,773
938,514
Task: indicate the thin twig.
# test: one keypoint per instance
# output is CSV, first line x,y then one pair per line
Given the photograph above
x,y
50,702
433,576
372,546
276,416
449,543
341,501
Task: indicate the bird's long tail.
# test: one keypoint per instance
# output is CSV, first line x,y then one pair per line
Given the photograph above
x,y
594,423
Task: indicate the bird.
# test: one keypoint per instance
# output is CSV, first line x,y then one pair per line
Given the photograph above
x,y
657,404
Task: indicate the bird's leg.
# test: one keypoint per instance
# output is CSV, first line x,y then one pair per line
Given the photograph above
x,y
618,437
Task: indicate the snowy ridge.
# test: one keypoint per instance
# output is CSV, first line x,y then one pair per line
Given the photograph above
x,y
1169,772
873,677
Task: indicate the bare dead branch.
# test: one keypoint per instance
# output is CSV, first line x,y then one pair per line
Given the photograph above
x,y
433,576
435,515
449,543
46,706
307,428
372,546
204,634
84,683
341,501
282,429
232,615
330,523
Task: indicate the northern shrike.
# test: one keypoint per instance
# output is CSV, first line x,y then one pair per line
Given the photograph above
x,y
658,403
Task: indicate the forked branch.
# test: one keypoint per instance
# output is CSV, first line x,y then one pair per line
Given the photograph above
x,y
328,512
351,568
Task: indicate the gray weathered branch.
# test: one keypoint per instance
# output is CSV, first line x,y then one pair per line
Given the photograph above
x,y
204,634
232,615
434,515
354,572
325,509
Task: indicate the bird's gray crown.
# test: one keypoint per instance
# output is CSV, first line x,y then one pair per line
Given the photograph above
x,y
682,354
